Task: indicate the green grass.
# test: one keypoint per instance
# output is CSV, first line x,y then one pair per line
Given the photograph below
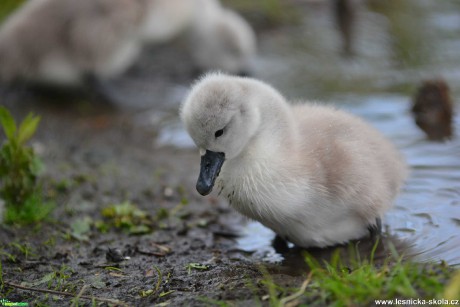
x,y
145,293
362,284
23,248
57,279
359,282
20,187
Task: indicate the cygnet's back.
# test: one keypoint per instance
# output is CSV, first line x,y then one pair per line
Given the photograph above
x,y
346,149
168,19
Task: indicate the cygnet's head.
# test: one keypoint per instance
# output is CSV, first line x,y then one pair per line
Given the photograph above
x,y
220,118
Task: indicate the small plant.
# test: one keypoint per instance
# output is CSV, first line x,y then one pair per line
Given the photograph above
x,y
25,249
80,228
19,168
128,217
145,293
57,279
196,266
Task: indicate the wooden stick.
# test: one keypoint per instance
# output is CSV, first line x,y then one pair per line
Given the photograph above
x,y
79,295
100,299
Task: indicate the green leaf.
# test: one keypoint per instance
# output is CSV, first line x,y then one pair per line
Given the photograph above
x,y
98,283
81,227
8,124
139,230
28,128
45,279
166,293
145,293
196,266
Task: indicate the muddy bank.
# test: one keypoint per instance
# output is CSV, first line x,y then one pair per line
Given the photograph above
x,y
100,159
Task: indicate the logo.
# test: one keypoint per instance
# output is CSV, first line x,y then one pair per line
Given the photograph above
x,y
7,302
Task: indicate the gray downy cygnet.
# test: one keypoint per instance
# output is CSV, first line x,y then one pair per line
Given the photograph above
x,y
315,175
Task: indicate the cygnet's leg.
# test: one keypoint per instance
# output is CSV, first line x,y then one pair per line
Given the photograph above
x,y
245,73
4,90
375,229
280,245
100,89
11,91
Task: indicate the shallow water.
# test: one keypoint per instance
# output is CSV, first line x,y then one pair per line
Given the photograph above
x,y
396,46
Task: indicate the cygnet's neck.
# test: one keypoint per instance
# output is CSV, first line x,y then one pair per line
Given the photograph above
x,y
276,131
267,155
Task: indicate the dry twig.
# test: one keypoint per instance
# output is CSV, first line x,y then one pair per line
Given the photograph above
x,y
88,297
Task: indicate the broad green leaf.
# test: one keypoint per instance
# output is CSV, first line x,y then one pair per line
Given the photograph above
x,y
8,124
27,128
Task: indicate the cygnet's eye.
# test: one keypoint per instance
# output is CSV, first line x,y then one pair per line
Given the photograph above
x,y
219,133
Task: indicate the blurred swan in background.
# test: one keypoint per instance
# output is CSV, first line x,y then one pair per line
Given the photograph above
x,y
68,42
167,19
222,39
65,41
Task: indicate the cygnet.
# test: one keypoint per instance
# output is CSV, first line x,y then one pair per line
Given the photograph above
x,y
221,39
168,19
66,41
315,175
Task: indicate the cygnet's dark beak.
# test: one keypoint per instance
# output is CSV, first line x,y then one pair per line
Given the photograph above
x,y
211,162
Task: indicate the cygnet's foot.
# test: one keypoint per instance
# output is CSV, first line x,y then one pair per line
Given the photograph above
x,y
280,245
100,90
4,91
376,229
11,91
245,73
